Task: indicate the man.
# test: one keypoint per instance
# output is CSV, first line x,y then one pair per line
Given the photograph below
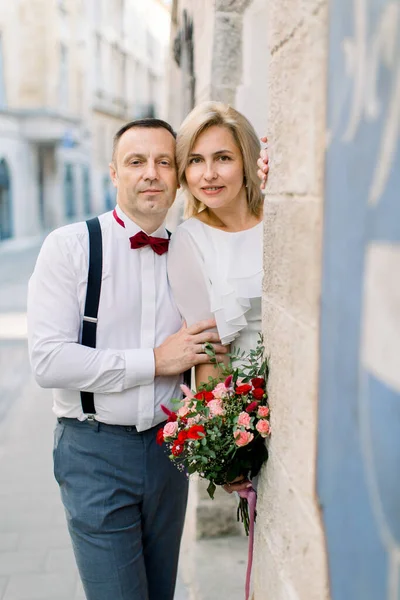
x,y
124,500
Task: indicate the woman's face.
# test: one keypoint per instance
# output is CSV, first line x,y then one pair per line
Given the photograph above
x,y
215,169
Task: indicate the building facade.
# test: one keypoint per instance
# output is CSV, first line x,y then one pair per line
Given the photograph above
x,y
71,73
324,86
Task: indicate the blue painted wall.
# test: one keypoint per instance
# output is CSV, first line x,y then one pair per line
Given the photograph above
x,y
359,408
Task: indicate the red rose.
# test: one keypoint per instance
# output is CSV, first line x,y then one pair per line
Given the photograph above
x,y
160,437
258,382
194,433
172,417
258,393
204,396
177,448
243,389
182,436
252,407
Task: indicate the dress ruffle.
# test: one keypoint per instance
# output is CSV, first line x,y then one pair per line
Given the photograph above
x,y
233,262
231,304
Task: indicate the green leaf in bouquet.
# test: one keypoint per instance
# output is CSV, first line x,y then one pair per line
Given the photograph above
x,y
234,470
211,489
203,441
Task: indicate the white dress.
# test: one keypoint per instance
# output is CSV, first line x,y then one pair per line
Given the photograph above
x,y
215,273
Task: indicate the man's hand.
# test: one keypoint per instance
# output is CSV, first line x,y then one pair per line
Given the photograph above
x,y
263,166
237,485
185,349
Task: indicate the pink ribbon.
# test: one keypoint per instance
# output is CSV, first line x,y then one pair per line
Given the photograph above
x,y
250,495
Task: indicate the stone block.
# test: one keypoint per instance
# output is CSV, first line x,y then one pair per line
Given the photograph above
x,y
221,568
238,6
286,16
61,560
41,587
289,535
216,518
292,256
224,94
56,537
292,388
297,111
227,50
21,562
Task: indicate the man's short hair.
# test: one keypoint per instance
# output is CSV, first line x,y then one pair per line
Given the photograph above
x,y
148,123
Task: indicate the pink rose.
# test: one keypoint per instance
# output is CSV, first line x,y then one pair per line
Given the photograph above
x,y
220,391
183,411
244,420
263,427
242,438
193,420
170,429
263,411
216,408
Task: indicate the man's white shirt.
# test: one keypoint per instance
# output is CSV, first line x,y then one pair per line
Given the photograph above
x,y
136,314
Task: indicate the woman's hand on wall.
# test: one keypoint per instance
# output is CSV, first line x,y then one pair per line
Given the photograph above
x,y
263,164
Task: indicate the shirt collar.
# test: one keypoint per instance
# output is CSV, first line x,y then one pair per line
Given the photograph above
x,y
131,228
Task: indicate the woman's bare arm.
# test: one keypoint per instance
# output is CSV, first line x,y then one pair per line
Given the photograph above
x,y
203,372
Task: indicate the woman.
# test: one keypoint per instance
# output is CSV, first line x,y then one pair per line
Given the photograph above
x,y
215,256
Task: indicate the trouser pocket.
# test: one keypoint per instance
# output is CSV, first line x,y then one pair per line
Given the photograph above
x,y
58,434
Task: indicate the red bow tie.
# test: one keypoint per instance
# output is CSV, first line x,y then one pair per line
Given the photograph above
x,y
159,245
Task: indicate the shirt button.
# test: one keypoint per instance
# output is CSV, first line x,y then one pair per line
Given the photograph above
x,y
128,428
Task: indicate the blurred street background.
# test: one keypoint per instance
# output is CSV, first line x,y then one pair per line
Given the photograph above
x,y
322,79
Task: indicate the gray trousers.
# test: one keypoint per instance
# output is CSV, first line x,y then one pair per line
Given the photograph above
x,y
125,504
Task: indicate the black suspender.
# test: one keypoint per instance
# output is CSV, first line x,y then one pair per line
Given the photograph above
x,y
89,325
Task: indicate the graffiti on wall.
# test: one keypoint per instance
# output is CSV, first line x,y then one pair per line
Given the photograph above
x,y
359,414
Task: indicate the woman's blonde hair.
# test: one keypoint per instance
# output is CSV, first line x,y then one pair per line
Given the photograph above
x,y
202,117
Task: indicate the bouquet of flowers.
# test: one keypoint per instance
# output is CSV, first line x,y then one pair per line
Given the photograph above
x,y
219,432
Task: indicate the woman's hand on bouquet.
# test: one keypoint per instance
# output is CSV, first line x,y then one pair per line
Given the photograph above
x,y
237,485
263,165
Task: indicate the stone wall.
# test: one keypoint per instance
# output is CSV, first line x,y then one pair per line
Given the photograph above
x,y
290,561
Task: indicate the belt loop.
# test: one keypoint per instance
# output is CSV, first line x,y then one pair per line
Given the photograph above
x,y
93,423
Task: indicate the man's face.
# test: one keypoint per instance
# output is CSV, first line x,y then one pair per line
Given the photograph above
x,y
144,172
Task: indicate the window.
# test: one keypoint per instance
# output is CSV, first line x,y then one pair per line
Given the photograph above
x,y
86,190
109,192
5,202
69,192
2,83
63,75
98,64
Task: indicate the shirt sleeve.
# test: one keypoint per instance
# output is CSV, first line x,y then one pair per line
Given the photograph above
x,y
54,321
188,279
